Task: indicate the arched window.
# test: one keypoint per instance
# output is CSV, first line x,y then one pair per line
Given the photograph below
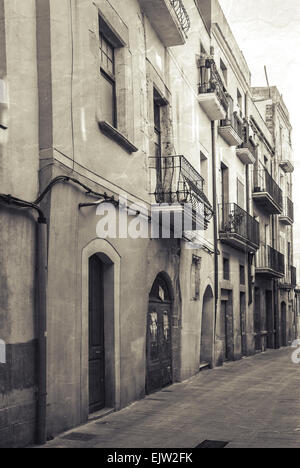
x,y
160,290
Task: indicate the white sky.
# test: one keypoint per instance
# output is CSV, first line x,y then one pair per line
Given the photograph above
x,y
268,33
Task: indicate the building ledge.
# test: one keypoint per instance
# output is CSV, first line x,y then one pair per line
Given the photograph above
x,y
287,166
267,203
175,219
245,155
228,133
165,21
268,272
114,134
212,106
284,219
238,242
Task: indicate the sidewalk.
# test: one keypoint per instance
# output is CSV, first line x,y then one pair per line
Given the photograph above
x,y
251,403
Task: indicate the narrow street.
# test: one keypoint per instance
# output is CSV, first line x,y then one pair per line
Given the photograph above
x,y
252,403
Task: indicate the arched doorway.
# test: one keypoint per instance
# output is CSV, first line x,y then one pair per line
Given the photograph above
x,y
159,339
283,325
206,345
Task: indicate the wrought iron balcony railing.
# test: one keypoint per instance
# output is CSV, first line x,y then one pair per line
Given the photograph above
x,y
234,221
235,123
175,181
290,279
211,81
247,142
265,184
270,261
288,210
182,15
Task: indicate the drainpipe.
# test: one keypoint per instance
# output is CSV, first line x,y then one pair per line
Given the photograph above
x,y
40,309
41,304
215,208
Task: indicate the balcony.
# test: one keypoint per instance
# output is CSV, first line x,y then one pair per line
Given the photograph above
x,y
269,262
247,150
212,96
238,228
267,193
178,190
289,282
287,216
231,130
286,162
169,19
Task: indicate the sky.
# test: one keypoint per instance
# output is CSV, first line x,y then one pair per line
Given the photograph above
x,y
268,33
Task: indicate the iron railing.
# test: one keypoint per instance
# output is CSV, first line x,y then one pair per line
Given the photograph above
x,y
288,209
234,121
211,81
235,220
247,142
175,181
264,182
182,15
271,259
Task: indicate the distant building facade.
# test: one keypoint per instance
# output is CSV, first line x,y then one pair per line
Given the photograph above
x,y
134,133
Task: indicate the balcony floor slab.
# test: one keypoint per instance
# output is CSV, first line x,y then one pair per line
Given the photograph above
x,y
266,202
231,137
238,242
212,106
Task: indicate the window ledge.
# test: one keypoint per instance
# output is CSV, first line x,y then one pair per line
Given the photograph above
x,y
114,134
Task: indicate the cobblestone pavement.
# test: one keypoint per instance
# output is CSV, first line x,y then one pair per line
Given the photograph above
x,y
251,403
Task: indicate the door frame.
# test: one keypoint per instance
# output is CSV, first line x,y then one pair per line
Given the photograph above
x,y
112,270
170,303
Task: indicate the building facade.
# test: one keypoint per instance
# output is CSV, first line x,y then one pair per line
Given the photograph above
x,y
132,130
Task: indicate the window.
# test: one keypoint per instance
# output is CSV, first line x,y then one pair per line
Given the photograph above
x,y
108,81
226,269
224,70
195,278
157,124
242,275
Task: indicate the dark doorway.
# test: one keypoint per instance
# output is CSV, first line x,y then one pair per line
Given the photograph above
x,y
283,324
96,336
159,340
257,320
206,345
227,326
270,320
243,323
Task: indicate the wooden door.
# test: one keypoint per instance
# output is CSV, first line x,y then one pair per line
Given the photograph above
x,y
283,325
224,330
96,336
159,351
243,324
